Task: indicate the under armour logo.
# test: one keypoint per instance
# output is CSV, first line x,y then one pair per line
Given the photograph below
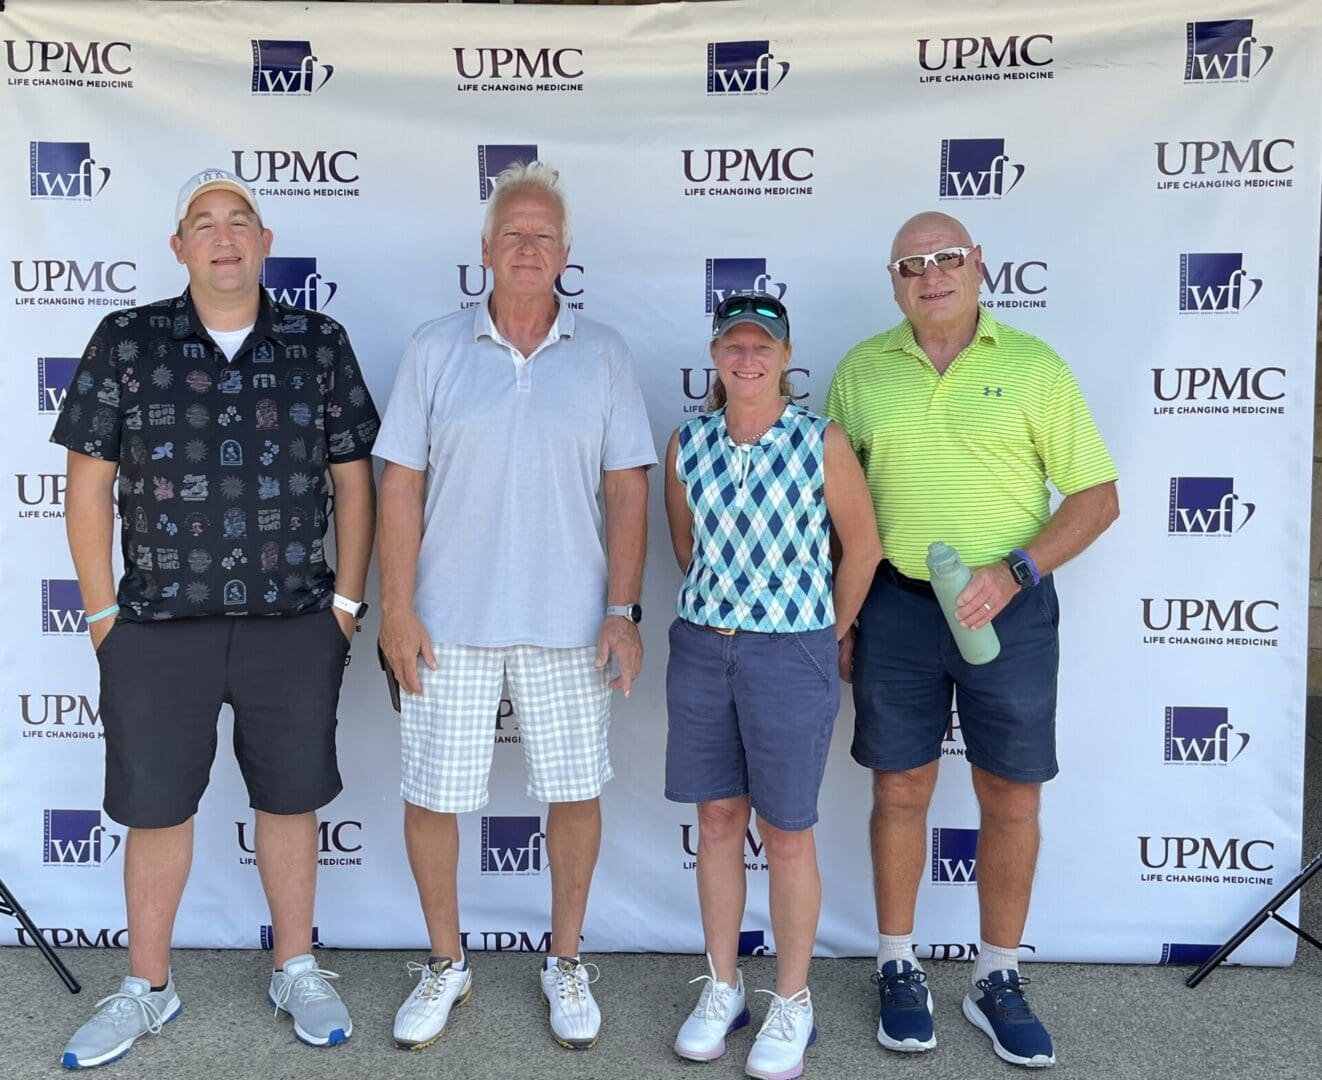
x,y
992,391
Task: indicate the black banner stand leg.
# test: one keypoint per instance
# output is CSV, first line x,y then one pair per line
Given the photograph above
x,y
1267,911
9,905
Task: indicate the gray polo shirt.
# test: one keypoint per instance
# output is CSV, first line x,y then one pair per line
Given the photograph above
x,y
512,544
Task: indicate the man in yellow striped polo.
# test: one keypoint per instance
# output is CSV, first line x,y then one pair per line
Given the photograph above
x,y
960,421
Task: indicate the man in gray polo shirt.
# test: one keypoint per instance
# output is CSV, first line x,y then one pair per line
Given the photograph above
x,y
511,425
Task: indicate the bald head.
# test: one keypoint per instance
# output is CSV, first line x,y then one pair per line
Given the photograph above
x,y
929,231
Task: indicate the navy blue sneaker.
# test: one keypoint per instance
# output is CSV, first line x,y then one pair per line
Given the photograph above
x,y
906,1008
1004,1015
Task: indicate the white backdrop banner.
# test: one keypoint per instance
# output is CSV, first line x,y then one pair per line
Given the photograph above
x,y
1144,180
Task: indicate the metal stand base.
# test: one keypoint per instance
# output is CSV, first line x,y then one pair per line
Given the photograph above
x,y
9,905
1267,911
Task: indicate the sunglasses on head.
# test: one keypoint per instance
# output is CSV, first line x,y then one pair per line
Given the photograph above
x,y
757,303
951,258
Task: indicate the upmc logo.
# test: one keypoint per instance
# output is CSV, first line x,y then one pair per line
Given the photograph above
x,y
54,374
64,170
955,856
296,167
512,845
697,382
77,838
743,67
1199,157
473,280
287,67
728,276
1223,51
495,158
1185,614
1215,384
980,53
1204,853
45,60
1016,284
59,282
521,66
745,165
1201,736
1214,282
1205,506
62,607
976,169
333,837
294,280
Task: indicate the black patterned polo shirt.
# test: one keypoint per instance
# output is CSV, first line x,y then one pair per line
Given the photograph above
x,y
223,487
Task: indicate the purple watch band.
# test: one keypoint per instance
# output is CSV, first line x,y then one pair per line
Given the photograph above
x,y
1037,578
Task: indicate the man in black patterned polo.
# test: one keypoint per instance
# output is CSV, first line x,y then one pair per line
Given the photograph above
x,y
221,412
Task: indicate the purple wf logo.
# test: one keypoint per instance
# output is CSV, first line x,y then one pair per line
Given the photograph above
x,y
294,280
267,935
1205,506
77,838
728,276
955,856
54,374
1180,952
1214,281
287,67
1222,51
512,845
753,943
62,607
976,169
1200,736
743,67
495,158
64,170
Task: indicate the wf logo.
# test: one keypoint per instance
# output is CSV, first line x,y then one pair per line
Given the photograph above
x,y
977,169
77,838
294,280
512,845
54,374
743,67
62,607
1179,952
1223,51
64,170
955,856
1214,281
1205,506
1198,736
728,276
287,67
267,936
753,943
495,158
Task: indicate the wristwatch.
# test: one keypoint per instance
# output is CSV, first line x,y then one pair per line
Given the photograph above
x,y
1022,568
632,612
356,608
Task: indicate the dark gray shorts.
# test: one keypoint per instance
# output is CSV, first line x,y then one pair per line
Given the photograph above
x,y
751,714
162,686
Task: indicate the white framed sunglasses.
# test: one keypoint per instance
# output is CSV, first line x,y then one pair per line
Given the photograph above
x,y
951,258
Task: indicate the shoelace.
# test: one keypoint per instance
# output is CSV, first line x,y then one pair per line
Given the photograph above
x,y
435,981
783,1014
119,1003
1008,999
312,986
714,1002
572,979
901,989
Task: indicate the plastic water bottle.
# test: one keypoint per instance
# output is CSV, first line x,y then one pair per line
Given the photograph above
x,y
949,578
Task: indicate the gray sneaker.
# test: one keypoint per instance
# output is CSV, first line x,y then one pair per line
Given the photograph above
x,y
302,990
119,1019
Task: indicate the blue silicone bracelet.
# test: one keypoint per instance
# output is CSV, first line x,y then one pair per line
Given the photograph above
x,y
113,609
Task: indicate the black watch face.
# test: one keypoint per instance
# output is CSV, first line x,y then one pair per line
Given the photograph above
x,y
636,612
1022,572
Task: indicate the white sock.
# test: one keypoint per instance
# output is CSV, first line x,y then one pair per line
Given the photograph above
x,y
896,947
994,958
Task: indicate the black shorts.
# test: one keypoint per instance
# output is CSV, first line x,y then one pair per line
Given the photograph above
x,y
162,686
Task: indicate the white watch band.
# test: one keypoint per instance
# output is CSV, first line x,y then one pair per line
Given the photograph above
x,y
343,603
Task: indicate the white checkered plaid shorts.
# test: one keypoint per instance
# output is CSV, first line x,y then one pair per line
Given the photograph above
x,y
561,701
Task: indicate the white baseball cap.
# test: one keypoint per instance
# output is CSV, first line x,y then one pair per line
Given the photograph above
x,y
212,180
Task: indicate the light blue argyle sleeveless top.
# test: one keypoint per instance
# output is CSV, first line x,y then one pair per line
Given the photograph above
x,y
761,533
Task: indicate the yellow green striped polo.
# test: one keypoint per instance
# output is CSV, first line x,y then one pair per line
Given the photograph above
x,y
964,457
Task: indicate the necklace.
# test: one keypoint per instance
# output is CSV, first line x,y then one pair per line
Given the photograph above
x,y
750,439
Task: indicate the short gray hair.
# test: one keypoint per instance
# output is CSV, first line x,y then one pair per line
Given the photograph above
x,y
535,177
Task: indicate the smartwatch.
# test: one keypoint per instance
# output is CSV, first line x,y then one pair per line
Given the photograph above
x,y
632,612
1022,568
356,608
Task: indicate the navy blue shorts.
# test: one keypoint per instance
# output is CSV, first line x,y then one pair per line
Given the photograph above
x,y
751,714
906,665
